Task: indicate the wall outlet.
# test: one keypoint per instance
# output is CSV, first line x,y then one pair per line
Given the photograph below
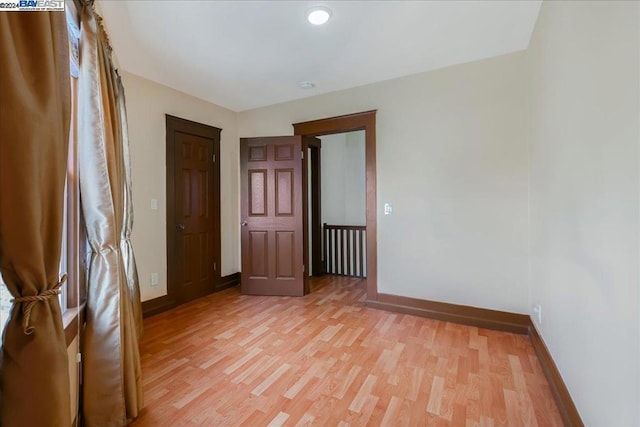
x,y
154,204
536,313
154,279
388,209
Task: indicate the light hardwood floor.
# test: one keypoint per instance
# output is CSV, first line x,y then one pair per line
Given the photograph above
x,y
326,359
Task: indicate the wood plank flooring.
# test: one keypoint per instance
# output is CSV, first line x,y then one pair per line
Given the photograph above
x,y
326,359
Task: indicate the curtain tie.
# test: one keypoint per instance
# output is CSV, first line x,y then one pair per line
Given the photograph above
x,y
32,300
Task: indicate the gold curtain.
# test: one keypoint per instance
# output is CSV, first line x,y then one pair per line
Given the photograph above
x,y
34,127
126,247
112,391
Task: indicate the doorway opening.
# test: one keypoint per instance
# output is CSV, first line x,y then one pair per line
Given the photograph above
x,y
336,217
310,130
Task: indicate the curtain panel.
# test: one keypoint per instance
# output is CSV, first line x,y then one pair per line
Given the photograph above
x,y
112,392
127,226
34,130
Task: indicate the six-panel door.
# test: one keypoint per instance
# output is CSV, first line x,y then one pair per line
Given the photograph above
x,y
271,216
195,253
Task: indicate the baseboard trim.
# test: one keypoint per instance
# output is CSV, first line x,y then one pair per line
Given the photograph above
x,y
157,305
164,303
466,315
229,281
567,408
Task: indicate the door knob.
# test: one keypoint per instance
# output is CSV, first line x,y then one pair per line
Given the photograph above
x,y
180,227
243,223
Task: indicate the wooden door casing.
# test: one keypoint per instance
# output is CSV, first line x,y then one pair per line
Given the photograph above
x,y
366,121
271,216
193,209
313,162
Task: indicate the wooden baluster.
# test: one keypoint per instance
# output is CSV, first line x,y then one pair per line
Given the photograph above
x,y
363,252
344,258
326,247
331,248
338,249
349,252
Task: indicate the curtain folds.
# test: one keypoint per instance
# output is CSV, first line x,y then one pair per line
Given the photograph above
x,y
125,243
34,128
112,394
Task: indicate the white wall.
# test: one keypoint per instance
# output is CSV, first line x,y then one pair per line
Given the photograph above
x,y
147,104
584,183
332,174
452,159
343,179
355,179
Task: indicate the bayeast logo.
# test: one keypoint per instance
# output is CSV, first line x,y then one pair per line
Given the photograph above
x,y
32,5
42,4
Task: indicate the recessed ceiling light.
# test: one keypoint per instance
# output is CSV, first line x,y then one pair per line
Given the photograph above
x,y
319,15
306,84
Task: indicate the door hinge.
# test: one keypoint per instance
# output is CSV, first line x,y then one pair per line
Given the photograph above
x,y
215,266
302,155
78,357
303,268
214,158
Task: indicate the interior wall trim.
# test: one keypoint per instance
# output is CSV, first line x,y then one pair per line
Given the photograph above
x,y
366,121
229,281
566,406
161,304
466,315
157,305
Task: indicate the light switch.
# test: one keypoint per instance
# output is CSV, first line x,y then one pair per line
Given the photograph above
x,y
388,209
154,204
154,279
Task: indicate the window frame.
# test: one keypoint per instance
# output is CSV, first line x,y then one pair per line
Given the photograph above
x,y
75,288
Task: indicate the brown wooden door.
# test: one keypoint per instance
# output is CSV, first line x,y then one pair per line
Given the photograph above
x,y
271,216
193,218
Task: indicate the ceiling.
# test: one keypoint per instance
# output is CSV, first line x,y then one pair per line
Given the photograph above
x,y
248,54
